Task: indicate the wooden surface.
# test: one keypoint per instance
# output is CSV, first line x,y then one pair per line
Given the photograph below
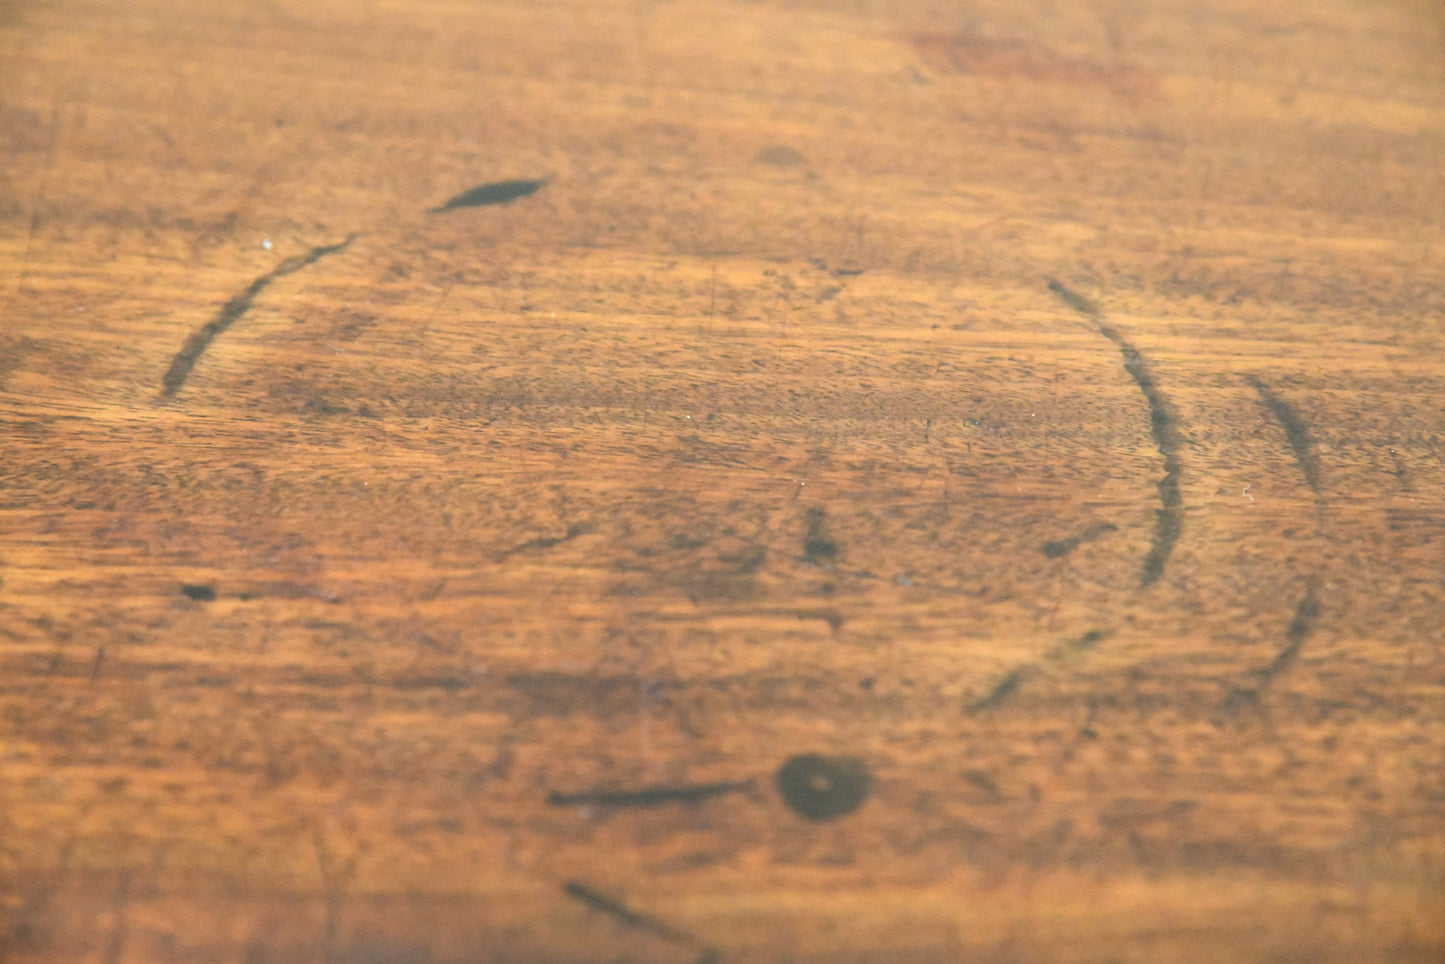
x,y
1032,409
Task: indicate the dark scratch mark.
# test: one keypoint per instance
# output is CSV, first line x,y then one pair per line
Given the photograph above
x,y
1295,431
232,311
1074,300
983,782
1083,644
619,911
115,947
1062,547
832,617
1300,628
334,880
1401,476
1010,682
99,662
546,542
1163,426
199,592
649,796
1000,692
498,192
35,906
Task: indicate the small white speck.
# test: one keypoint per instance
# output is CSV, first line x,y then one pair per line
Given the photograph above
x,y
266,243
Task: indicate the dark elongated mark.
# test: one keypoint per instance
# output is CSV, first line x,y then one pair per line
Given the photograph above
x,y
115,948
1001,691
546,542
199,592
620,912
334,880
649,796
1163,426
1295,431
232,311
498,192
818,546
1062,547
1009,683
1300,628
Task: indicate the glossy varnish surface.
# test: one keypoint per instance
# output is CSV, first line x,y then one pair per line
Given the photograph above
x,y
673,481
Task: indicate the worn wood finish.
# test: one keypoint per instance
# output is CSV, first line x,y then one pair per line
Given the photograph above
x,y
1033,407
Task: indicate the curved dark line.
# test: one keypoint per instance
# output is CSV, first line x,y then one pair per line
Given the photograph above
x,y
1163,426
1295,430
1300,629
231,312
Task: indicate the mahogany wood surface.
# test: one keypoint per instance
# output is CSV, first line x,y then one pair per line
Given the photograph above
x,y
865,480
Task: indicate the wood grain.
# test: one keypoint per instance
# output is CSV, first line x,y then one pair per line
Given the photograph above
x,y
1029,410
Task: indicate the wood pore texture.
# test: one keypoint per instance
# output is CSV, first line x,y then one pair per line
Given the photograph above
x,y
1034,404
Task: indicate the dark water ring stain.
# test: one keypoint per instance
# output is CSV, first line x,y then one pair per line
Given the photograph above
x,y
821,788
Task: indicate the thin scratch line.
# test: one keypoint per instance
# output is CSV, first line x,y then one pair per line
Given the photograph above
x,y
1009,683
36,218
616,909
232,311
1163,426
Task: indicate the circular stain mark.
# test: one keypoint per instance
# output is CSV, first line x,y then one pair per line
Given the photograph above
x,y
821,787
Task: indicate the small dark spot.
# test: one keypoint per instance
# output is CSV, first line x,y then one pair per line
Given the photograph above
x,y
1059,547
499,192
199,592
818,547
867,683
819,787
780,155
848,272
